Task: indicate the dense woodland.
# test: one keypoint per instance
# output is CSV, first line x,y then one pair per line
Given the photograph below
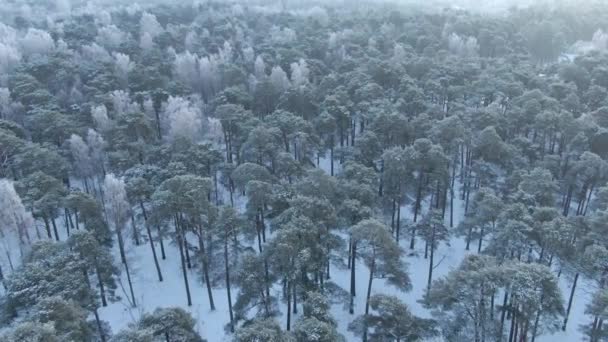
x,y
273,146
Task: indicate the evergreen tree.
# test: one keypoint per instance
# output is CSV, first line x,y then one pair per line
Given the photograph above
x,y
393,321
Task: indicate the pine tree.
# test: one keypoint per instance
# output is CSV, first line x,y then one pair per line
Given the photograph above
x,y
261,330
118,209
381,255
316,323
228,226
393,321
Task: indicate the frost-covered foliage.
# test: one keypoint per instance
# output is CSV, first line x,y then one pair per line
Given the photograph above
x,y
299,73
111,37
100,117
187,69
96,52
149,24
279,79
185,120
37,41
463,46
115,197
259,68
123,66
122,103
600,40
81,156
9,51
282,35
146,41
15,220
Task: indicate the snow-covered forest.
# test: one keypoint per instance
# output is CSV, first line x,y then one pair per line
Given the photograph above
x,y
303,171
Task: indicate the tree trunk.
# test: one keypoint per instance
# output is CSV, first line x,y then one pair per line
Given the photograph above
x,y
469,238
135,230
48,227
205,268
156,264
353,278
295,298
66,221
182,259
263,223
398,219
584,212
535,328
503,314
258,229
418,200
55,228
331,157
102,335
369,292
123,257
228,294
2,278
480,238
288,305
393,212
76,219
102,289
570,300
432,247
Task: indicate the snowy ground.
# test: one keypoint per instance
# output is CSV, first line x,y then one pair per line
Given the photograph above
x,y
150,293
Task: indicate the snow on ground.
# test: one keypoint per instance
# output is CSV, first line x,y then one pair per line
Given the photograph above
x,y
151,294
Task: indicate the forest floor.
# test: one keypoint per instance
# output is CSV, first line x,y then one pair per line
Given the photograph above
x,y
150,293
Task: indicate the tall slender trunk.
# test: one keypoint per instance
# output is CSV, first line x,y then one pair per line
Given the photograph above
x,y
432,247
331,156
398,219
228,294
502,315
418,198
288,305
452,184
135,230
535,328
263,224
55,228
149,232
393,212
469,238
123,257
372,269
182,258
584,212
353,277
258,229
156,264
102,334
570,300
161,243
294,290
102,289
2,278
353,130
480,238
66,222
205,268
47,226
